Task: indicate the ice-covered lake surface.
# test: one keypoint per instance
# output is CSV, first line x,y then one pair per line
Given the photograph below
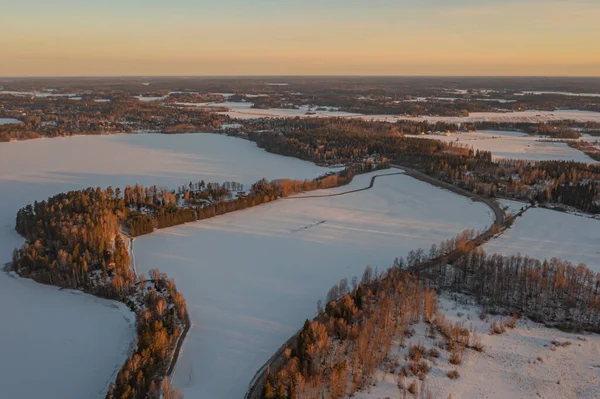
x,y
59,344
8,121
545,234
515,145
63,345
251,278
244,110
560,93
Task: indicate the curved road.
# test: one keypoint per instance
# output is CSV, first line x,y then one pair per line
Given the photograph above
x,y
348,192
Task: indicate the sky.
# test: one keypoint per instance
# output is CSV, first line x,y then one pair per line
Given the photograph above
x,y
299,37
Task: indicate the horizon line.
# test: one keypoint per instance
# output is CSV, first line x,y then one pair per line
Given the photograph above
x,y
298,76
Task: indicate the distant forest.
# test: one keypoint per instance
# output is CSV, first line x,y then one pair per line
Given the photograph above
x,y
342,141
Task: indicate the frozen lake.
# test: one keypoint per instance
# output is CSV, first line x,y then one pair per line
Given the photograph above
x,y
59,344
251,278
515,145
8,121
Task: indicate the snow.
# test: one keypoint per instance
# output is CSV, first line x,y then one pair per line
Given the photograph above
x,y
515,145
150,98
513,117
70,345
512,207
544,234
562,93
244,110
250,279
8,121
59,344
509,367
35,94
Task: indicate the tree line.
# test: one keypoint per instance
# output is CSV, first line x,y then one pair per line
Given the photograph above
x,y
157,209
329,143
74,241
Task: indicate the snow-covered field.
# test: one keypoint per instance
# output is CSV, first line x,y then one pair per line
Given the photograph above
x,y
59,344
517,364
561,93
244,111
512,207
56,344
8,121
544,234
251,278
515,145
514,117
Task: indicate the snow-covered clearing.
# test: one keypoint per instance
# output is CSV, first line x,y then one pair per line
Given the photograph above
x,y
40,94
8,121
560,93
521,363
60,345
251,278
244,110
515,145
512,207
544,234
513,117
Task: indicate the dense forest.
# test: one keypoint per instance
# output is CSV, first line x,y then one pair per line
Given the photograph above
x,y
151,208
61,116
343,141
554,292
338,353
74,240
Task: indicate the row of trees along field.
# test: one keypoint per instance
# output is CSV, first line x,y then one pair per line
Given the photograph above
x,y
555,292
160,209
337,142
59,116
338,353
74,241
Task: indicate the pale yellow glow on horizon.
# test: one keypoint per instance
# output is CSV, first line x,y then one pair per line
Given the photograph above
x,y
498,39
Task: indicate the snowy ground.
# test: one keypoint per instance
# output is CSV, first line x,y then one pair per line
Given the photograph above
x,y
512,207
513,117
251,278
562,93
59,344
515,145
544,234
8,121
244,111
55,344
517,364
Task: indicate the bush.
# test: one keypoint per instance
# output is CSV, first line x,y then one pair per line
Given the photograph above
x,y
477,344
433,352
497,328
416,352
453,375
512,323
455,358
413,387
